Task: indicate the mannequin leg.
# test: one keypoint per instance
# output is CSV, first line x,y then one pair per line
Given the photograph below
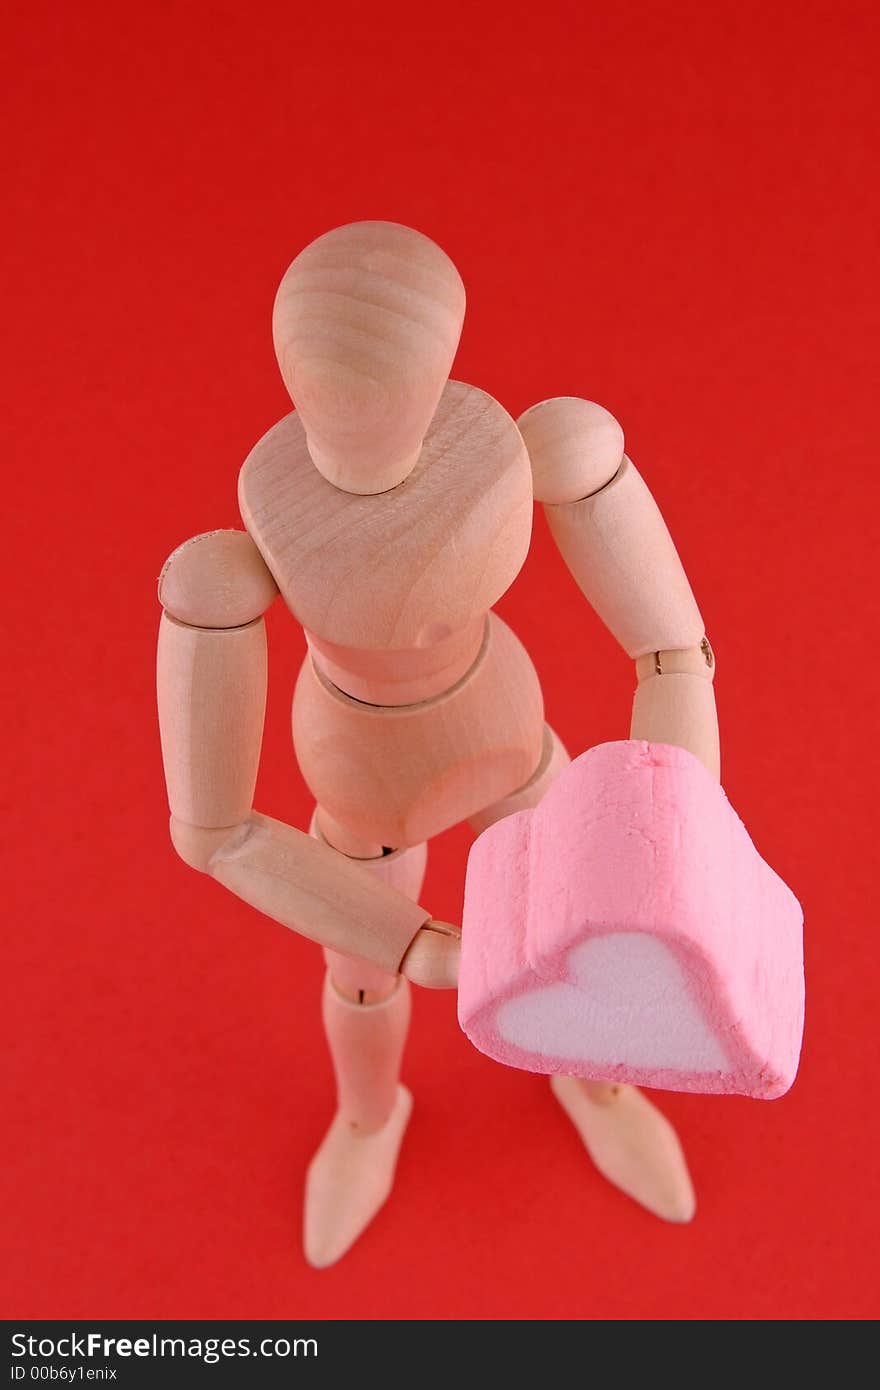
x,y
366,1015
631,1143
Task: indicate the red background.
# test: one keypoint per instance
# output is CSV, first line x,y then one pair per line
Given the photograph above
x,y
669,208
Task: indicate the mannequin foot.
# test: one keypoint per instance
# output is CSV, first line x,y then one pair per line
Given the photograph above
x,y
349,1179
631,1143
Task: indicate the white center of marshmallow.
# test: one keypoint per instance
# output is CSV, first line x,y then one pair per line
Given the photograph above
x,y
630,1005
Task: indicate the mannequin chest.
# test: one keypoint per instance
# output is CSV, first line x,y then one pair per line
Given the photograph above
x,y
401,571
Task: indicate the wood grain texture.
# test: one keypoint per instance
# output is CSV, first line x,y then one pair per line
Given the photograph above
x,y
396,776
403,869
622,556
366,1042
400,677
348,1182
406,570
366,324
679,709
575,447
218,579
554,757
211,690
349,843
197,844
297,880
434,958
631,1143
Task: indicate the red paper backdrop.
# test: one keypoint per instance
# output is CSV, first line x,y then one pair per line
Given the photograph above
x,y
669,208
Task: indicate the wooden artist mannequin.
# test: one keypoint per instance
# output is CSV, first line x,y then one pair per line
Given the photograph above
x,y
391,511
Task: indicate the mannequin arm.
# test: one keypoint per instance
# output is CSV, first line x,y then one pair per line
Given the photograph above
x,y
211,687
612,537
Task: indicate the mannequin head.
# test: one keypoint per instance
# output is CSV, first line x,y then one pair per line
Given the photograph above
x,y
366,323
